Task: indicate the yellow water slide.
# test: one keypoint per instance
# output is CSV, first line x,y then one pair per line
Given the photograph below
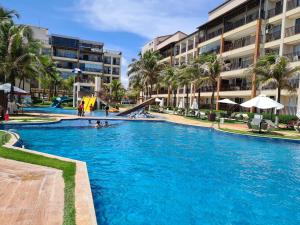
x,y
88,101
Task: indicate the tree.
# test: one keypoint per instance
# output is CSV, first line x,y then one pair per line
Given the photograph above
x,y
50,75
184,80
17,53
148,67
275,71
7,15
170,80
136,84
117,89
210,67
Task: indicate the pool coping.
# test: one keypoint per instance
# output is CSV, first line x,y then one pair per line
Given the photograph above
x,y
84,204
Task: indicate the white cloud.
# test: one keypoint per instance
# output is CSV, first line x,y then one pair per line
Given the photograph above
x,y
147,18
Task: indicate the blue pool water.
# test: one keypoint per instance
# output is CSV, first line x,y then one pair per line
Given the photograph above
x,y
165,174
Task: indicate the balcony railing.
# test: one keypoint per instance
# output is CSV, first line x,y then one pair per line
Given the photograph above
x,y
292,4
190,47
241,22
183,50
240,43
273,36
206,89
65,55
292,31
237,64
274,12
91,59
293,57
241,87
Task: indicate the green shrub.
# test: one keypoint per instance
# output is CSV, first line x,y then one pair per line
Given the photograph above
x,y
285,119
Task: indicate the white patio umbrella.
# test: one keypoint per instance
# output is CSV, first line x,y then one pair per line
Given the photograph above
x,y
262,102
76,70
7,86
181,104
227,101
161,104
195,104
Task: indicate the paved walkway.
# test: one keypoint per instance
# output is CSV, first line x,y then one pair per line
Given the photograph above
x,y
30,194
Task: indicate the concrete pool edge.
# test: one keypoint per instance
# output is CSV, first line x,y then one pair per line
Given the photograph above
x,y
84,204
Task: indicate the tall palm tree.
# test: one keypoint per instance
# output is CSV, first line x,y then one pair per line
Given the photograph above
x,y
275,71
210,66
7,15
184,80
196,77
117,89
148,66
136,83
170,80
17,52
50,74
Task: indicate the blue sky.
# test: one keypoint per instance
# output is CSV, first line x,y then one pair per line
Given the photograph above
x,y
124,25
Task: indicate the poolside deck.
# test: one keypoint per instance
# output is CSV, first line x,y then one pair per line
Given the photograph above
x,y
36,193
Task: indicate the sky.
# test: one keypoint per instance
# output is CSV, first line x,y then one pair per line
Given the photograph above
x,y
122,25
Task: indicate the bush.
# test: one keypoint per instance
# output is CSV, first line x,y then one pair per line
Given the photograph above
x,y
285,119
36,100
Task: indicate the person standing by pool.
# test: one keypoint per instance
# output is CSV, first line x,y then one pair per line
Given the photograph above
x,y
82,108
91,108
106,110
79,110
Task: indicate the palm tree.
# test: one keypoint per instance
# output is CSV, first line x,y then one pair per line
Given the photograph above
x,y
184,80
117,90
50,74
274,71
17,52
7,15
170,80
136,84
148,67
210,67
197,77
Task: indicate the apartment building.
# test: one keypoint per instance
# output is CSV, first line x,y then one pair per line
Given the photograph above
x,y
88,56
240,31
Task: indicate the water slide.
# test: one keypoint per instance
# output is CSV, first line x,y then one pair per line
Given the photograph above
x,y
88,101
58,101
137,107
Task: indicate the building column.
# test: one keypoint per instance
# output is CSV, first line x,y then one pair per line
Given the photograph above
x,y
219,81
256,56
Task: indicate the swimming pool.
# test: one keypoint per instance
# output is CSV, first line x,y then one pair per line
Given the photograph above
x,y
166,174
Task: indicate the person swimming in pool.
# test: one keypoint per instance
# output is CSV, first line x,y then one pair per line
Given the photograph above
x,y
98,124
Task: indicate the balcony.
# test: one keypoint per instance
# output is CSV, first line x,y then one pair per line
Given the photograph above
x,y
210,35
240,43
293,57
241,87
274,12
91,58
207,89
237,64
292,4
65,55
66,65
273,36
292,31
190,47
233,25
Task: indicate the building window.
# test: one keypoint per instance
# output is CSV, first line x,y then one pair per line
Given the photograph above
x,y
91,67
116,71
107,59
107,70
116,61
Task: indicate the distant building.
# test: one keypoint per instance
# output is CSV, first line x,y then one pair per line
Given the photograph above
x,y
88,56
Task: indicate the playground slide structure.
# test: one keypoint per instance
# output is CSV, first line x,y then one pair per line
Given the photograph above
x,y
89,101
137,107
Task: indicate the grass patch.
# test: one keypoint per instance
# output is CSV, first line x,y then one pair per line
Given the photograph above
x,y
69,107
207,121
256,134
33,119
68,169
